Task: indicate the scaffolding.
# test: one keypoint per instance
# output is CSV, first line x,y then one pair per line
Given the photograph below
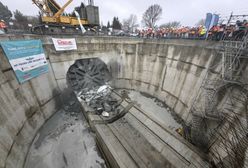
x,y
232,19
224,126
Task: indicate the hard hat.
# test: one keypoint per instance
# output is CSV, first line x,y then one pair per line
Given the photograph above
x,y
2,20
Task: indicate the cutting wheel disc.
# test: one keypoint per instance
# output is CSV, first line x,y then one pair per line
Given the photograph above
x,y
88,74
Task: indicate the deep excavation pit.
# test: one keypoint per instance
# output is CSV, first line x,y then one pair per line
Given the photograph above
x,y
117,102
118,117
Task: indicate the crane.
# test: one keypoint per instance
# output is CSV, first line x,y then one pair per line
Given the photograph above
x,y
54,21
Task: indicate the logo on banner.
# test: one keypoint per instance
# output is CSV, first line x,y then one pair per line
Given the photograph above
x,y
64,44
26,57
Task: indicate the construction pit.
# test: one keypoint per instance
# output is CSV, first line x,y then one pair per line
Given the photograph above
x,y
124,102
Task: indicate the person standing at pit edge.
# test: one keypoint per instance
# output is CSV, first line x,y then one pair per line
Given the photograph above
x,y
3,26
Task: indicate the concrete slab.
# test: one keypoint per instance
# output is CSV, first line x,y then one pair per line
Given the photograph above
x,y
154,108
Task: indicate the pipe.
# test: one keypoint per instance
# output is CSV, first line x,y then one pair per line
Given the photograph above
x,y
80,23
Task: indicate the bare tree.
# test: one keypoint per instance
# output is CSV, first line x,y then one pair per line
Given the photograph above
x,y
152,15
130,23
200,22
174,24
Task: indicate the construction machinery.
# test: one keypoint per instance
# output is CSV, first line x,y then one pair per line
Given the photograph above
x,y
55,21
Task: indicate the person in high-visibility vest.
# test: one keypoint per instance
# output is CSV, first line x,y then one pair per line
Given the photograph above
x,y
202,31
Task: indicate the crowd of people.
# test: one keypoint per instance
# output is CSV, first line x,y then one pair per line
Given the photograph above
x,y
217,32
182,32
232,31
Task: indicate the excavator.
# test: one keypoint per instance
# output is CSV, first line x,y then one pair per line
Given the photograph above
x,y
55,21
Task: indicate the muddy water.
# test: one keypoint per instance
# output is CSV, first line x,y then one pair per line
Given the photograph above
x,y
65,140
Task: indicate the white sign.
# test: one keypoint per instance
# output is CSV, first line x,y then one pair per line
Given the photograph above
x,y
64,44
25,64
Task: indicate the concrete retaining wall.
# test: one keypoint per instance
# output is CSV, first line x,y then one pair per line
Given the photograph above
x,y
23,110
171,70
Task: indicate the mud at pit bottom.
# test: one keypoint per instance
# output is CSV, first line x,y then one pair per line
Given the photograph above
x,y
65,140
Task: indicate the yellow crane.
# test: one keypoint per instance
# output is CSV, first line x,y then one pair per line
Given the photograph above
x,y
55,21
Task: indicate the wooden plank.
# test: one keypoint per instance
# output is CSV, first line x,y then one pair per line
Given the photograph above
x,y
114,151
166,151
147,153
170,140
130,150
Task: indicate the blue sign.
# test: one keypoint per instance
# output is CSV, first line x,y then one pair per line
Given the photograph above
x,y
215,19
26,57
208,20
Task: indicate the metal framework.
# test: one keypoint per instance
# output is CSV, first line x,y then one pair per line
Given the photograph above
x,y
212,124
233,18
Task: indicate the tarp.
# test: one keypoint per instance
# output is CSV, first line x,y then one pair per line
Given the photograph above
x,y
26,57
64,44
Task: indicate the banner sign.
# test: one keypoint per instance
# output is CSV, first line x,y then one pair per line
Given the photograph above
x,y
211,20
64,44
26,57
208,20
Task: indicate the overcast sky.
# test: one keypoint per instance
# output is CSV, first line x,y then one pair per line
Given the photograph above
x,y
188,12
